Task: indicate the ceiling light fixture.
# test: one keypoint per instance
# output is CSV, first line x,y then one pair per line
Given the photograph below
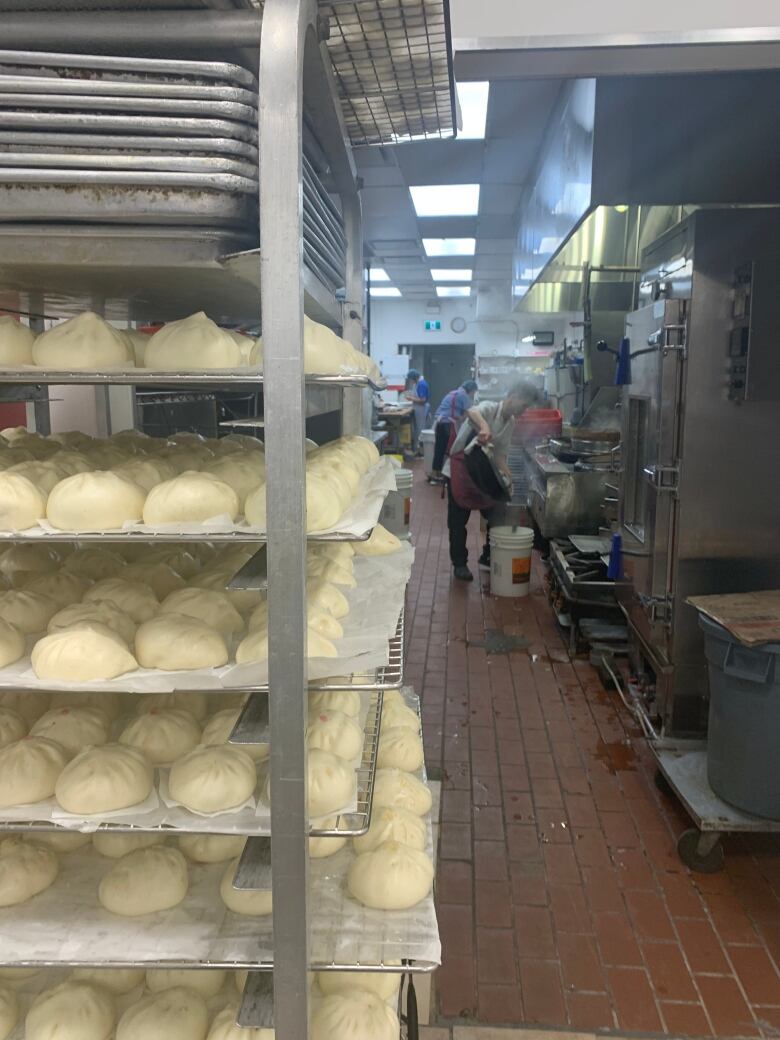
x,y
449,246
453,290
473,100
388,292
445,200
444,274
378,274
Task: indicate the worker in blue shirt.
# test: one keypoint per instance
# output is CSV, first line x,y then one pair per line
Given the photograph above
x,y
418,392
449,416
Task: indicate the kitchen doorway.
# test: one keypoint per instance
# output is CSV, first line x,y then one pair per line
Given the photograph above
x,y
444,365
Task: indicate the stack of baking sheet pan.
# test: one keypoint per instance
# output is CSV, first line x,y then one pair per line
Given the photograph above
x,y
127,140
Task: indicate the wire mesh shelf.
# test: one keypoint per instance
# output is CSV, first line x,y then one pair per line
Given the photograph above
x,y
393,67
251,728
143,377
388,677
357,823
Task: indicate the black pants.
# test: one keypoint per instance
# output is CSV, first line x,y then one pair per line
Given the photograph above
x,y
457,521
443,429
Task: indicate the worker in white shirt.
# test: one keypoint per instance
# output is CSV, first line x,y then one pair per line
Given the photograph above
x,y
491,422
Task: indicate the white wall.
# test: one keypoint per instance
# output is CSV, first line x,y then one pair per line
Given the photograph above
x,y
507,18
396,322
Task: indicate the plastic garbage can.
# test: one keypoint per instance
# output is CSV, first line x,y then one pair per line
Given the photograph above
x,y
744,726
428,441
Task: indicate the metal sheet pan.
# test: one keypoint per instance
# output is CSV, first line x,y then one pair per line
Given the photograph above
x,y
83,161
15,84
123,123
118,5
590,543
312,179
131,105
320,204
107,144
98,64
114,204
32,179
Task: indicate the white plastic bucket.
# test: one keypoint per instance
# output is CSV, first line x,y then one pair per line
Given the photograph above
x,y
510,560
428,441
397,509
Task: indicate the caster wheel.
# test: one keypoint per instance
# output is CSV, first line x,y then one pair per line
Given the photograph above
x,y
708,862
663,784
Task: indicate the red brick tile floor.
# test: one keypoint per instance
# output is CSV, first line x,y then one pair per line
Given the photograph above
x,y
562,901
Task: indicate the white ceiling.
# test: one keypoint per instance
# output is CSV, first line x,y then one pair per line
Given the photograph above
x,y
503,164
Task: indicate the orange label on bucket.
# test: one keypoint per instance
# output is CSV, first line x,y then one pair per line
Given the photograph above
x,y
521,570
407,510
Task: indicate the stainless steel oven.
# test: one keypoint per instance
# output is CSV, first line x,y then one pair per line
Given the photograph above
x,y
700,484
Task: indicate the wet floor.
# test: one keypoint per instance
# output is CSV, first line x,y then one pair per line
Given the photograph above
x,y
562,900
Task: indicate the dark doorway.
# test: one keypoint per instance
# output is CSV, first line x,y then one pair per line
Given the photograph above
x,y
445,366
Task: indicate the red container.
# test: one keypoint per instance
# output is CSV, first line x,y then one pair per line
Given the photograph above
x,y
537,425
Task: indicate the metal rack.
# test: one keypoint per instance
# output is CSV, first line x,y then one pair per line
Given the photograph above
x,y
388,677
135,274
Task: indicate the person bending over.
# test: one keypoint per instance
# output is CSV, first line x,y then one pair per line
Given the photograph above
x,y
491,422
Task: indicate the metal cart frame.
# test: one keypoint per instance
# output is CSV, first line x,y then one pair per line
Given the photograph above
x,y
294,62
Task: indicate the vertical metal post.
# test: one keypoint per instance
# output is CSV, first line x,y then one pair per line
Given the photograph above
x,y
353,232
102,397
287,27
40,409
356,406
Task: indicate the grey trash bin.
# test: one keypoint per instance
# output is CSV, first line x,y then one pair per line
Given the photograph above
x,y
743,743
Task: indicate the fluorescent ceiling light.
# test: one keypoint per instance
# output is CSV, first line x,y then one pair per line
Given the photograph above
x,y
453,290
473,98
378,274
446,200
449,246
388,292
445,274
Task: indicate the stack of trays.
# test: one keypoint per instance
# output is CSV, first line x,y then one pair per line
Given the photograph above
x,y
127,140
324,244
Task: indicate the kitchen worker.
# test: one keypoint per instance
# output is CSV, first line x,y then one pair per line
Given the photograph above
x,y
447,422
491,422
418,392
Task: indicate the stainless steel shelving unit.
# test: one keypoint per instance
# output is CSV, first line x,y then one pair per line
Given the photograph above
x,y
135,274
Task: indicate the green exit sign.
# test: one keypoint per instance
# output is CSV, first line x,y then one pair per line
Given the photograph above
x,y
433,326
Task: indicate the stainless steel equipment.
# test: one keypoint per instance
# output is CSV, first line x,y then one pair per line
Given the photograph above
x,y
568,480
565,498
699,502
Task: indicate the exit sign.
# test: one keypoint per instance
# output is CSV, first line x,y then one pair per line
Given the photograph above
x,y
433,326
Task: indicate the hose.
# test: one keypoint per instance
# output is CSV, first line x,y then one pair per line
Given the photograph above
x,y
634,707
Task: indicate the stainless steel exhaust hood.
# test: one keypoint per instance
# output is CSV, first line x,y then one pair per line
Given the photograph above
x,y
624,159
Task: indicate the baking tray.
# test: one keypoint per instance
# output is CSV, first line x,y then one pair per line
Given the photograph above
x,y
14,103
158,814
127,178
590,543
16,84
204,164
123,123
253,727
123,204
118,5
98,65
107,144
